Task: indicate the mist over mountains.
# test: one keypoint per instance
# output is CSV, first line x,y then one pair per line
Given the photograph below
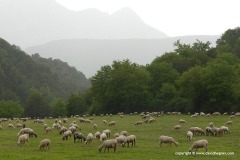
x,y
32,22
88,55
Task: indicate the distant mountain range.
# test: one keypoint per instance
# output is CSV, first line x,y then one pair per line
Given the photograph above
x,y
33,22
88,55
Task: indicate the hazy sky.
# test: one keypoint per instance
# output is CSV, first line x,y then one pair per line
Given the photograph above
x,y
174,17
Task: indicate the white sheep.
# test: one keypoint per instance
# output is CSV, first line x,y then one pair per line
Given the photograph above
x,y
225,129
48,129
27,131
167,139
182,121
97,135
125,133
95,126
89,138
121,140
112,123
103,137
78,136
138,123
107,132
177,127
111,143
67,134
44,144
199,144
11,126
208,131
22,139
229,123
105,121
189,136
130,139
116,135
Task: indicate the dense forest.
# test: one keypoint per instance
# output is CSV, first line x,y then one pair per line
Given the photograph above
x,y
27,80
194,77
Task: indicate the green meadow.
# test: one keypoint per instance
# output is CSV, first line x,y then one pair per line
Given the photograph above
x,y
147,143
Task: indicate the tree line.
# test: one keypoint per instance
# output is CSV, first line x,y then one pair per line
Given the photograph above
x,y
194,77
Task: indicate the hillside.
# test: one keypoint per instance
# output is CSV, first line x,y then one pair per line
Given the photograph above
x,y
34,22
20,74
88,55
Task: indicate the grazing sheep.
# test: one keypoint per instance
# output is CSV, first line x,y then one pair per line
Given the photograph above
x,y
225,129
208,131
130,139
189,136
167,139
19,125
116,135
73,129
79,136
121,140
125,133
138,123
112,143
97,135
22,139
112,123
177,127
151,120
62,130
199,144
103,137
107,132
105,121
44,144
182,121
11,126
216,113
232,116
27,131
48,129
89,138
196,130
95,126
67,134
229,123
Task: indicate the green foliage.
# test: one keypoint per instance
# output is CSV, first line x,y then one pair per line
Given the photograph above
x,y
10,109
59,108
124,86
76,105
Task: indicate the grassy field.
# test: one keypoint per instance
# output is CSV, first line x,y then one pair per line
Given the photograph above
x,y
147,144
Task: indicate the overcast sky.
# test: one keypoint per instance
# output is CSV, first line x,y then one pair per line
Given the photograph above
x,y
173,17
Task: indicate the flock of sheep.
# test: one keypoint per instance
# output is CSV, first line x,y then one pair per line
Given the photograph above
x,y
123,138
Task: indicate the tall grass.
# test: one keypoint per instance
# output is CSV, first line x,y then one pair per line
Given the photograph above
x,y
147,144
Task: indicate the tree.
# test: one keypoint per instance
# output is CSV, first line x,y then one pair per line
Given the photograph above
x,y
59,107
122,87
76,105
10,109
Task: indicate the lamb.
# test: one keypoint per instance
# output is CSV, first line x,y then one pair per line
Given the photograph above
x,y
22,139
125,133
196,130
167,139
19,125
103,137
199,144
62,130
44,144
105,121
112,143
78,136
89,138
67,134
177,127
151,120
121,140
189,136
130,139
112,123
182,121
73,129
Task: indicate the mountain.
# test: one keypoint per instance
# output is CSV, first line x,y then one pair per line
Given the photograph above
x,y
33,22
20,74
88,55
